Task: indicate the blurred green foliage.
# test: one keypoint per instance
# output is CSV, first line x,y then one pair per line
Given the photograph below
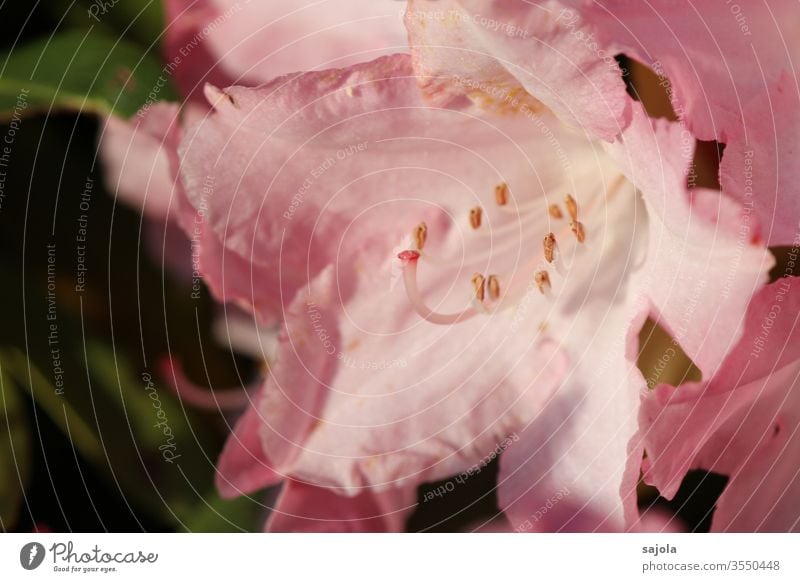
x,y
15,452
83,71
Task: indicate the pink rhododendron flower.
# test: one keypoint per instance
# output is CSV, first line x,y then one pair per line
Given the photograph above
x,y
321,178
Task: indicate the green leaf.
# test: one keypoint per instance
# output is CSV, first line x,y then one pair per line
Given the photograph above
x,y
15,452
216,515
138,20
117,379
84,71
181,486
57,408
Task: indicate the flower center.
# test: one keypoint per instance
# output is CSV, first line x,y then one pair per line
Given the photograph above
x,y
492,293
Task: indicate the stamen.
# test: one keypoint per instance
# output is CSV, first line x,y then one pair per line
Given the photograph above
x,y
421,235
475,217
550,247
542,279
410,259
501,194
208,399
578,230
480,288
555,212
572,207
494,286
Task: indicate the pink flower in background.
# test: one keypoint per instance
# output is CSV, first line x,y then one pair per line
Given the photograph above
x,y
744,422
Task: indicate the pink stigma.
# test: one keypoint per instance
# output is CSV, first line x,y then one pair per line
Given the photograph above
x,y
408,256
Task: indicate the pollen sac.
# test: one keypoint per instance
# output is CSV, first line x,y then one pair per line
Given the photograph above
x,y
480,286
549,244
578,230
493,285
501,194
555,211
572,207
475,216
542,280
421,235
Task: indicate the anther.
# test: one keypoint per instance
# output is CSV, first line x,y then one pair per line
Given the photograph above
x,y
475,217
494,286
578,230
555,212
542,279
572,207
501,194
549,247
480,286
421,235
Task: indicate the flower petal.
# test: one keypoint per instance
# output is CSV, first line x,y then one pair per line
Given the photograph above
x,y
294,392
243,468
137,157
679,423
227,42
759,164
716,55
701,270
494,52
307,508
572,470
406,401
759,447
